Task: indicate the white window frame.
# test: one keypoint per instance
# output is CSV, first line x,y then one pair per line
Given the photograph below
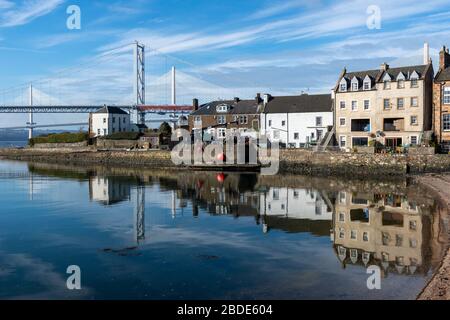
x,y
368,105
345,122
319,121
389,104
398,104
446,95
342,105
354,105
411,140
221,119
416,123
343,139
446,121
416,99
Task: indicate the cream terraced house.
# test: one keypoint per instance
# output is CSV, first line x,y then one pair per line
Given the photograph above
x,y
391,105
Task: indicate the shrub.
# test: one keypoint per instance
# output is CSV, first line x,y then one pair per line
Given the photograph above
x,y
66,137
123,136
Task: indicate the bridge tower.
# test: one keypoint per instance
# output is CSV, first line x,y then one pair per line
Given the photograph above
x,y
139,82
30,123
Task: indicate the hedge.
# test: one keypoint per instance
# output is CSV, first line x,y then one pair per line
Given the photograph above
x,y
66,137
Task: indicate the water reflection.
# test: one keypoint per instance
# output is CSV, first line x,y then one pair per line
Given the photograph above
x,y
351,224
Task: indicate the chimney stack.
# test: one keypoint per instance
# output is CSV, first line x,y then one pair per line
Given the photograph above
x,y
444,58
236,99
258,98
384,67
195,104
266,99
426,53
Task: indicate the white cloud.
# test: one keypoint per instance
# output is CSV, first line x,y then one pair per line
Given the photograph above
x,y
27,11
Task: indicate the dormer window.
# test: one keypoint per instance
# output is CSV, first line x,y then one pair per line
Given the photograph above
x,y
355,84
223,108
387,82
343,85
414,80
367,83
401,80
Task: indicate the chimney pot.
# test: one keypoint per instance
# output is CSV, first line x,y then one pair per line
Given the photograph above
x,y
384,66
426,53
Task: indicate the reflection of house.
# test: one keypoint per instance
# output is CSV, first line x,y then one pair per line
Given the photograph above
x,y
109,190
295,203
151,140
381,229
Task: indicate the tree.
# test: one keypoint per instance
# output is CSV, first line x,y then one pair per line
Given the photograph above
x,y
165,129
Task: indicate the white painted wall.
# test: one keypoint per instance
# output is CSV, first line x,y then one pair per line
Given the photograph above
x,y
104,124
295,204
302,123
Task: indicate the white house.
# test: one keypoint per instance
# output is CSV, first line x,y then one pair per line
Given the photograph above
x,y
297,121
109,120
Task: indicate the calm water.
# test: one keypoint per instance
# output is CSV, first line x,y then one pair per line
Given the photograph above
x,y
165,235
13,144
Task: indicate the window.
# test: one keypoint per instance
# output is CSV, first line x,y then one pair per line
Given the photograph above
x,y
401,84
446,122
365,236
400,103
414,102
342,104
198,119
413,140
387,84
318,121
386,104
414,83
446,95
124,120
342,141
98,132
355,86
341,217
283,123
367,85
413,225
360,142
354,105
342,122
104,120
222,108
296,136
343,85
221,132
243,119
270,123
341,233
414,121
366,104
353,234
105,132
114,119
221,120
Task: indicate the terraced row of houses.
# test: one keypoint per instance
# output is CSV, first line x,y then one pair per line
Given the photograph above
x,y
389,106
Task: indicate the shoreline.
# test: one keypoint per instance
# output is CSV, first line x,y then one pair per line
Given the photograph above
x,y
438,288
292,161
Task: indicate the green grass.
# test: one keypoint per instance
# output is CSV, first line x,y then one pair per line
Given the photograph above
x,y
66,137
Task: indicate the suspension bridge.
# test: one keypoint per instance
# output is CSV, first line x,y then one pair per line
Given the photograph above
x,y
49,96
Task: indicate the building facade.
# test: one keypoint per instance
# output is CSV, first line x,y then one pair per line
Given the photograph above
x,y
108,120
392,106
297,121
441,101
219,119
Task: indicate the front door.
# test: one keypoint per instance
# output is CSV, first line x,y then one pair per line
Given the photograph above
x,y
394,142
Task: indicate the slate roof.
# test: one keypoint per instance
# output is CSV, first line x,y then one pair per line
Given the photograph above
x,y
443,75
111,110
241,107
300,104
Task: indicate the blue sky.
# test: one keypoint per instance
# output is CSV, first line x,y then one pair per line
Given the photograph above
x,y
220,48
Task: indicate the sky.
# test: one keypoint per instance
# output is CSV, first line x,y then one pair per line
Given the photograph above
x,y
221,49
